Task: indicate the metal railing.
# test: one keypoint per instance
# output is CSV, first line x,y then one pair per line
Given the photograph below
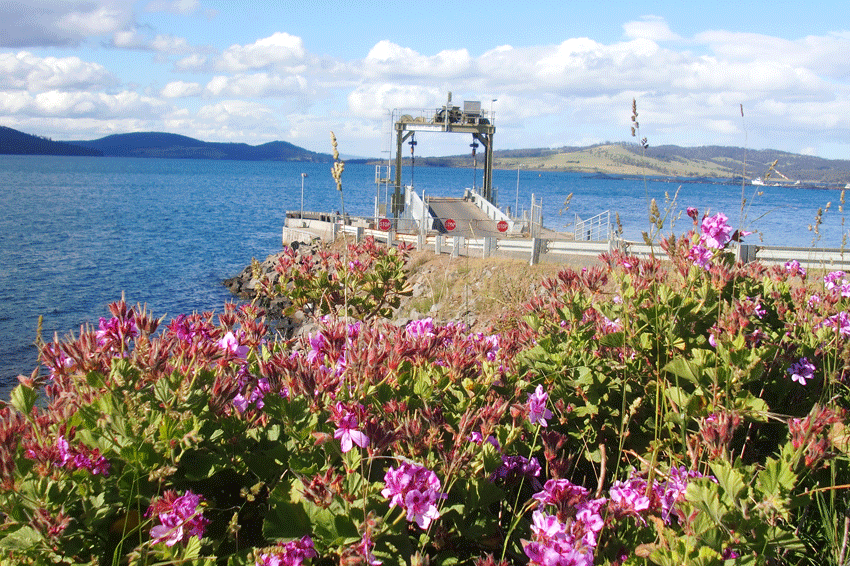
x,y
595,229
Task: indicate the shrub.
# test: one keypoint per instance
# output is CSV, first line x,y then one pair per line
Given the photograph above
x,y
691,411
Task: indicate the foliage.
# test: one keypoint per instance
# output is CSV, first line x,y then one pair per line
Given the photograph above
x,y
640,412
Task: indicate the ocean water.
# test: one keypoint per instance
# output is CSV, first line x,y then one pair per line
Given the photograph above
x,y
77,232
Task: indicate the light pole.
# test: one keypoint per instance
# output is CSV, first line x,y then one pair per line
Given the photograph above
x,y
303,176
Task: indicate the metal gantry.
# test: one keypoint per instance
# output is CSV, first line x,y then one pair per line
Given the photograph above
x,y
451,119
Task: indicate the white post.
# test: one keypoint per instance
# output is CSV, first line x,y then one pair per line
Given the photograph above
x,y
303,176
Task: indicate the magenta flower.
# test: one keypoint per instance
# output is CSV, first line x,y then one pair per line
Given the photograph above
x,y
317,344
793,267
420,328
231,344
81,457
701,256
715,231
802,371
292,553
537,411
180,518
416,489
839,321
347,433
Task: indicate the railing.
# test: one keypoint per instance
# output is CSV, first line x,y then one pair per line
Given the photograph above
x,y
593,229
537,249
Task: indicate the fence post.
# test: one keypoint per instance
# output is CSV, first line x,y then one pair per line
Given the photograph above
x,y
537,245
456,246
390,238
489,246
438,244
420,242
358,235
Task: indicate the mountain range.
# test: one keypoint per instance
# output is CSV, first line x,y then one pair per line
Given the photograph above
x,y
155,144
616,159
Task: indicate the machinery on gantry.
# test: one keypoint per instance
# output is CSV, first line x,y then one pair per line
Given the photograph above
x,y
449,118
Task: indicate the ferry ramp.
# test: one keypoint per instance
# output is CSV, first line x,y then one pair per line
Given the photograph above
x,y
470,221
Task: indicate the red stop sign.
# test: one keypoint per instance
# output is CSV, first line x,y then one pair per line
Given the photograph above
x,y
450,224
384,224
502,226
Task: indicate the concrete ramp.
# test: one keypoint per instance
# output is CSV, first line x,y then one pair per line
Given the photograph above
x,y
470,221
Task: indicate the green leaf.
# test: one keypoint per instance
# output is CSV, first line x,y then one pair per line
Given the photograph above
x,y
24,538
23,398
683,368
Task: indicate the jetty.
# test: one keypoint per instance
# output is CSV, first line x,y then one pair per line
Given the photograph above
x,y
474,224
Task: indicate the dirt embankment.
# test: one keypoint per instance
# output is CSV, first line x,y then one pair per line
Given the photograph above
x,y
475,291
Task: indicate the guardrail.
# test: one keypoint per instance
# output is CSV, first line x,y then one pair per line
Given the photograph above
x,y
539,249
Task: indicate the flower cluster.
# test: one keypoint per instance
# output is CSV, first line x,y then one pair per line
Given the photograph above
x,y
292,553
632,498
714,236
837,280
179,516
569,536
81,457
415,489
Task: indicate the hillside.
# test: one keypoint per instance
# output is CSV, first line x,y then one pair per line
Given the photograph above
x,y
620,159
13,142
174,146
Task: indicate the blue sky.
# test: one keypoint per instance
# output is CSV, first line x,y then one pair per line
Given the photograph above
x,y
553,73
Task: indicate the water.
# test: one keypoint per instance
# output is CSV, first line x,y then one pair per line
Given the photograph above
x,y
76,233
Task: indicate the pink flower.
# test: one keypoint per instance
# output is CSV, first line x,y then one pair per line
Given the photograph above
x,y
420,507
701,256
292,553
715,231
347,433
416,489
179,518
537,411
231,344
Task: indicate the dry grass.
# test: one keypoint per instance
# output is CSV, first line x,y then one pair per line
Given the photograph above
x,y
476,291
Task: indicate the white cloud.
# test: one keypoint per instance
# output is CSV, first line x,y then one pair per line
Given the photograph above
x,y
387,59
99,106
31,23
166,44
173,6
180,89
279,49
826,54
652,28
26,71
372,101
256,85
195,62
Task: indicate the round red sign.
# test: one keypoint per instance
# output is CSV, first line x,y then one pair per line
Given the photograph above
x,y
450,224
502,226
384,224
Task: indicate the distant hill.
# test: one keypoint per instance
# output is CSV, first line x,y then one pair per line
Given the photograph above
x,y
13,142
626,159
174,146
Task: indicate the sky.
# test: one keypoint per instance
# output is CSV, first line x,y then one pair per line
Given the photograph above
x,y
753,74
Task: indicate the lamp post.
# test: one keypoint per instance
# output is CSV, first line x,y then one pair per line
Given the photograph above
x,y
303,176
